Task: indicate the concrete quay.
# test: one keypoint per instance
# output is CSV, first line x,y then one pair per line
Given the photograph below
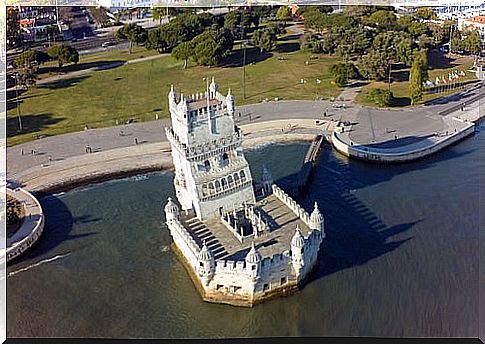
x,y
374,135
32,225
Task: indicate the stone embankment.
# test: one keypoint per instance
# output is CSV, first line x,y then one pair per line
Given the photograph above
x,y
63,174
32,224
458,123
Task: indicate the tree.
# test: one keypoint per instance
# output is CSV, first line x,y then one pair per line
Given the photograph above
x,y
283,14
373,65
14,35
310,42
471,43
380,96
416,82
99,15
211,46
425,13
383,19
155,41
238,22
30,57
157,14
64,54
133,33
183,51
342,72
264,39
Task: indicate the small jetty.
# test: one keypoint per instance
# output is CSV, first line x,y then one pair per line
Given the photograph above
x,y
308,163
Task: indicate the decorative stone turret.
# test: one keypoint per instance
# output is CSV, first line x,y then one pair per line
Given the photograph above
x,y
316,220
297,250
172,96
213,88
253,262
172,211
267,181
230,102
206,264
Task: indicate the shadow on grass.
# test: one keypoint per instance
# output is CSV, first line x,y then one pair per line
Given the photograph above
x,y
288,47
401,102
62,83
98,65
291,37
30,123
402,75
438,60
253,55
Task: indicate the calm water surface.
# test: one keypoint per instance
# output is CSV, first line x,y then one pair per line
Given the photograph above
x,y
400,258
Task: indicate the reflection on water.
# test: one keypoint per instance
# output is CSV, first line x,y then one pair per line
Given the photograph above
x,y
400,257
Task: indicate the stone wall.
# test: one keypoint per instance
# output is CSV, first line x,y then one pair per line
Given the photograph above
x,y
19,247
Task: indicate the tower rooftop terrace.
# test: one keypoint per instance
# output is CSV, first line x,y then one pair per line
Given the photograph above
x,y
201,103
222,242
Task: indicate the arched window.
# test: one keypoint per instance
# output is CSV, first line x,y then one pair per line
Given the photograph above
x,y
205,190
230,181
224,183
207,165
211,188
236,178
243,176
218,186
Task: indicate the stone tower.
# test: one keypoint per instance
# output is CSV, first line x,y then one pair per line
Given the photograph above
x,y
211,172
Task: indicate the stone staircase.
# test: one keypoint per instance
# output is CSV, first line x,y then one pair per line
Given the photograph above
x,y
202,233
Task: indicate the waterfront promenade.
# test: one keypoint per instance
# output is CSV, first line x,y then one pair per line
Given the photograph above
x,y
59,162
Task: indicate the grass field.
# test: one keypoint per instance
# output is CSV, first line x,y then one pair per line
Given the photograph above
x,y
440,66
139,91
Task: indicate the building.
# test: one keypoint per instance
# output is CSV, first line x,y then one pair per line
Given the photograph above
x,y
242,242
474,23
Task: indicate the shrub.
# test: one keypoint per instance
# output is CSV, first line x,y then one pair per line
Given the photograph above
x,y
381,96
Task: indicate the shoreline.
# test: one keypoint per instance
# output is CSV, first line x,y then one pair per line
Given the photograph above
x,y
61,185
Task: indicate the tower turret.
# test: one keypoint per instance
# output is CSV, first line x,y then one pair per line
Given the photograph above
x,y
267,181
172,211
253,262
230,102
213,88
172,95
205,269
297,251
316,220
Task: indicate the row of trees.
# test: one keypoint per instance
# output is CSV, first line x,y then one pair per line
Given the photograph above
x,y
204,38
27,63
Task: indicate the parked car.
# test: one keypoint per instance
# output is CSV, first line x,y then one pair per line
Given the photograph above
x,y
108,44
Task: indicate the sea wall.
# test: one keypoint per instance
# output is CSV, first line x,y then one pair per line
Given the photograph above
x,y
31,228
360,152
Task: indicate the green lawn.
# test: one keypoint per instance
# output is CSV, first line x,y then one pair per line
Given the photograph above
x,y
139,91
400,89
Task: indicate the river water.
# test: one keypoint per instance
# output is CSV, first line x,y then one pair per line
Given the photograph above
x,y
400,257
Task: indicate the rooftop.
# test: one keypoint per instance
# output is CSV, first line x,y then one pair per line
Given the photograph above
x,y
201,103
224,244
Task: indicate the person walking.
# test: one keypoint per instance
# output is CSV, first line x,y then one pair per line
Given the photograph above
x,y
136,140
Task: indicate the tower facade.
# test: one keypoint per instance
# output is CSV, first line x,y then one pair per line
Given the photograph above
x,y
211,172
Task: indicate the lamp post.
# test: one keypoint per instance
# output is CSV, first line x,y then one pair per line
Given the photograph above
x,y
244,68
18,105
